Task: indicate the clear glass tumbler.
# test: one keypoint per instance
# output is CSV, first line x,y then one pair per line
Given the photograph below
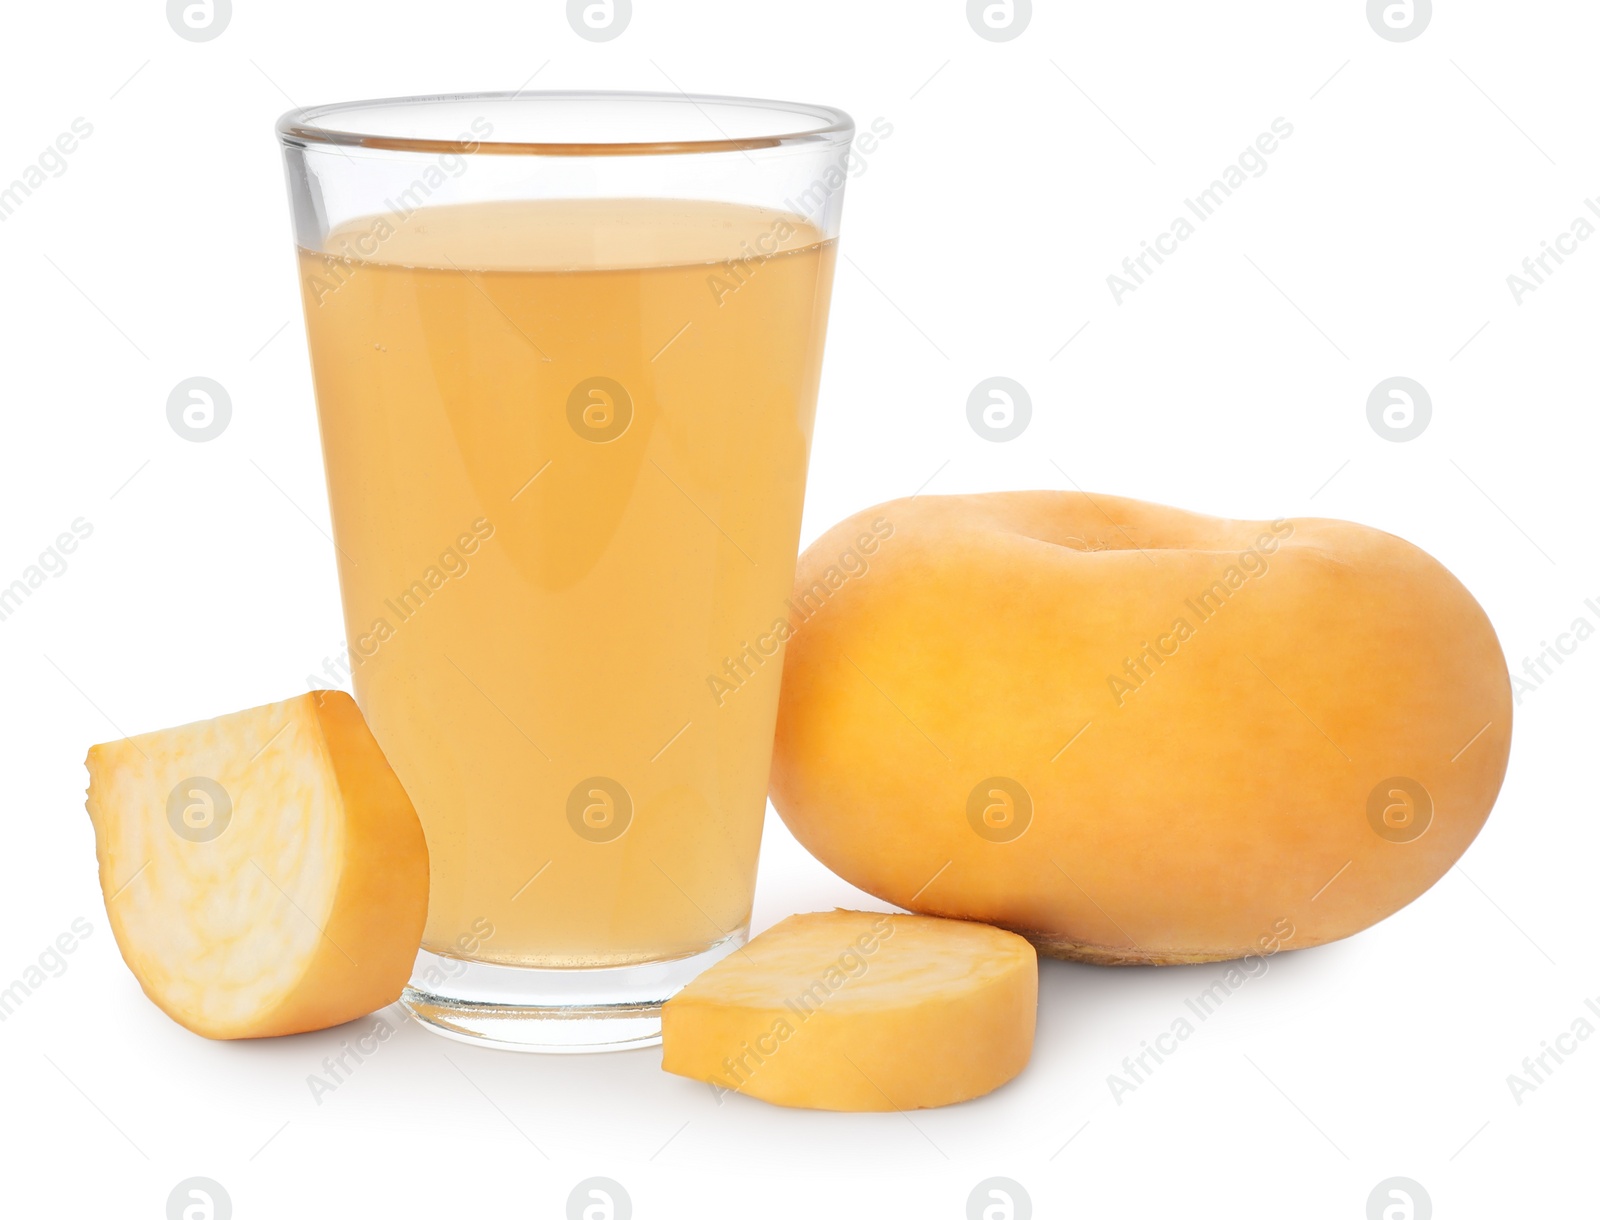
x,y
566,349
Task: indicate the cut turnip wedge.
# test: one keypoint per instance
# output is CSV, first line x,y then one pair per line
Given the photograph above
x,y
846,1010
264,872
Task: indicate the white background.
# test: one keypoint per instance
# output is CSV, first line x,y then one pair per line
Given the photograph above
x,y
1378,243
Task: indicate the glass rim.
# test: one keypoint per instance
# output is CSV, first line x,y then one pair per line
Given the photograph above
x,y
310,126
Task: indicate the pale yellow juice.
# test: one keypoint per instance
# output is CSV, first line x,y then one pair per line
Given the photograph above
x,y
566,445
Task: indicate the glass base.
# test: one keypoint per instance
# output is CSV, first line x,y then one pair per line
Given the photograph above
x,y
564,1011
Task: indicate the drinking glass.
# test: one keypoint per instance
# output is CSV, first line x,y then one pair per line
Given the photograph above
x,y
566,349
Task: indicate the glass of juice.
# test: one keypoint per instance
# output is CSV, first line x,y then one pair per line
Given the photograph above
x,y
566,349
